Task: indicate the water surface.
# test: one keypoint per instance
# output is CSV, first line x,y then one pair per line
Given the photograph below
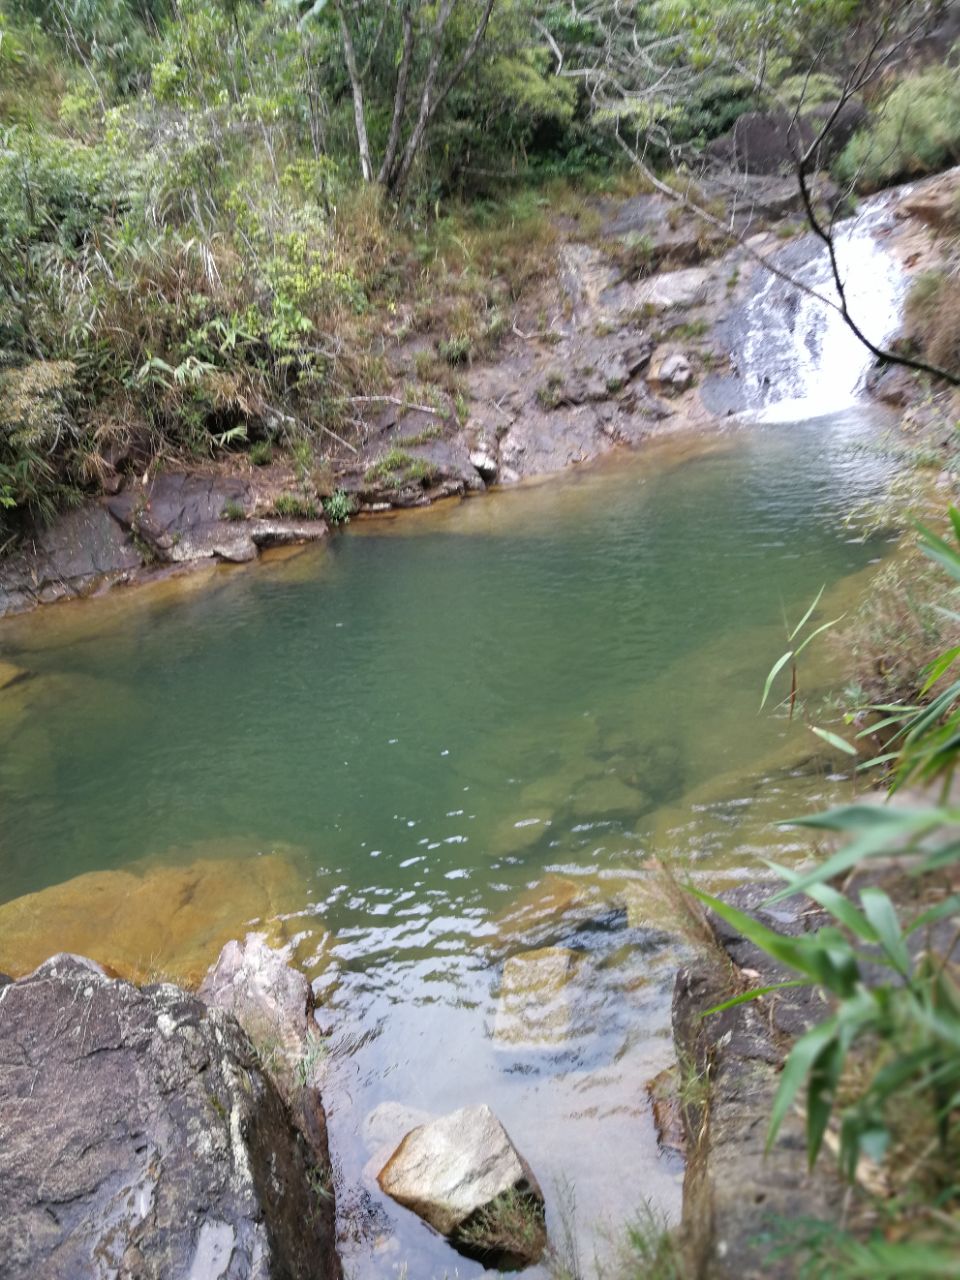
x,y
392,741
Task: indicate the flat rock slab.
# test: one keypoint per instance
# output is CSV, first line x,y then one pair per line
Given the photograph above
x,y
80,550
453,1171
148,918
140,1139
537,1002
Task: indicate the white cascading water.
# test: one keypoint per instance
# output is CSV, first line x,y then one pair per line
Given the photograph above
x,y
801,359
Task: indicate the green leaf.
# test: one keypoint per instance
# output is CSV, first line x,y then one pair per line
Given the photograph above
x,y
942,911
834,740
882,914
797,1067
754,994
937,668
774,672
821,1092
806,617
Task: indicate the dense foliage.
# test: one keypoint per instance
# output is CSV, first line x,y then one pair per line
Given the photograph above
x,y
219,214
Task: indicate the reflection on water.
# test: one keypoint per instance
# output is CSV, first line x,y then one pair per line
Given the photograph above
x,y
454,747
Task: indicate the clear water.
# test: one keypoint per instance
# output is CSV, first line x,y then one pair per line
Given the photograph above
x,y
426,723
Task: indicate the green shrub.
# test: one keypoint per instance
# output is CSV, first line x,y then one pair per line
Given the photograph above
x,y
456,349
397,469
916,131
43,452
233,511
338,508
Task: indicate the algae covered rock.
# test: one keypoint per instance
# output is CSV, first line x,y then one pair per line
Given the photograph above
x,y
139,1137
463,1175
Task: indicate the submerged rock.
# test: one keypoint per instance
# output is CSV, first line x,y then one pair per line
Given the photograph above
x,y
139,1138
149,918
537,999
10,674
464,1176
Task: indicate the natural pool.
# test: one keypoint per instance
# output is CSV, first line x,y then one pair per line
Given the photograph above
x,y
411,749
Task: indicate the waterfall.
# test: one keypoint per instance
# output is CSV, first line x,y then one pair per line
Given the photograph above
x,y
800,358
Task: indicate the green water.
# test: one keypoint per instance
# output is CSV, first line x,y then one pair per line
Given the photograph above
x,y
431,716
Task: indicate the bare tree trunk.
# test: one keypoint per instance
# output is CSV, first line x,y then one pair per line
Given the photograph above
x,y
359,113
399,99
428,103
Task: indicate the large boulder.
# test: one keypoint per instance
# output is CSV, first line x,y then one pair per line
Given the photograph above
x,y
772,142
464,1176
140,1137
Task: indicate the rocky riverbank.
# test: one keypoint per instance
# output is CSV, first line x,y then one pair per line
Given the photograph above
x,y
630,340
146,1132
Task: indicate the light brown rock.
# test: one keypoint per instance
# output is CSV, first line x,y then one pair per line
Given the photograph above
x,y
149,919
537,1001
455,1168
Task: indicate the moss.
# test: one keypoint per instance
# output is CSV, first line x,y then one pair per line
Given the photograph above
x,y
397,469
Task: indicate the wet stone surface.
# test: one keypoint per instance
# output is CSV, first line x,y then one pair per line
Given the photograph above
x,y
139,1138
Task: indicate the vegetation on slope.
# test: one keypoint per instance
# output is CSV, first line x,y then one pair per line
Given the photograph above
x,y
218,217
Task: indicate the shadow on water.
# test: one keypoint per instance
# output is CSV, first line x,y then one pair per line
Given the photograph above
x,y
437,764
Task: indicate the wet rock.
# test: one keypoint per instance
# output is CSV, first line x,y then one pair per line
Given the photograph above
x,y
735,1191
271,1000
892,384
179,516
141,1140
673,373
685,288
484,460
386,1125
664,1093
668,234
457,1172
383,1129
72,556
771,142
536,1009
934,202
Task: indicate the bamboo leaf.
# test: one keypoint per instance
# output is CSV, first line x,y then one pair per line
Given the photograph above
x,y
813,634
834,740
754,994
806,617
937,668
882,914
796,1069
774,672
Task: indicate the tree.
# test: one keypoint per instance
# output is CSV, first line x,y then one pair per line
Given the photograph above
x,y
425,49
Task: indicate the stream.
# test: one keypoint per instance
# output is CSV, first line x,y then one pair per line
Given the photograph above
x,y
437,743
